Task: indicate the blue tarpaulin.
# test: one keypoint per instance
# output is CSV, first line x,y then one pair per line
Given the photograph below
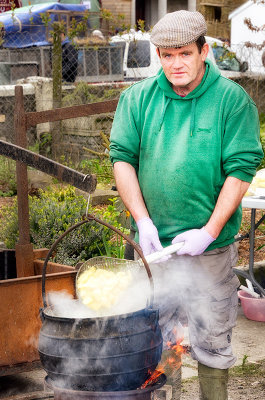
x,y
24,27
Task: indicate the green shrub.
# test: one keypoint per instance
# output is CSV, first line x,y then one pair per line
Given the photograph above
x,y
84,93
8,186
52,213
262,137
102,168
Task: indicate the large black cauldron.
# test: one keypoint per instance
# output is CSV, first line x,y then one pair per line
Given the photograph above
x,y
100,354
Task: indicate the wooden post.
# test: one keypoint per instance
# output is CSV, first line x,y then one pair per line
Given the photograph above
x,y
57,87
24,249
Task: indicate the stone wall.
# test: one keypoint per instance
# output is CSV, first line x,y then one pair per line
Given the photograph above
x,y
119,7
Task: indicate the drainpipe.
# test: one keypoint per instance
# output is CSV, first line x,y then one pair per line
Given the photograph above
x,y
192,5
162,8
133,16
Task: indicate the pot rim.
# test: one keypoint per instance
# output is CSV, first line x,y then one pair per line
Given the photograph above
x,y
148,310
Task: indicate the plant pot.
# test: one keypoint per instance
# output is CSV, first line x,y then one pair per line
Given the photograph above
x,y
253,308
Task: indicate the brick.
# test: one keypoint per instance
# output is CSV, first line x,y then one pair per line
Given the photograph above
x,y
164,393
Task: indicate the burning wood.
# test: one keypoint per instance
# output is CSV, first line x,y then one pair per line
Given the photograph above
x,y
153,378
171,359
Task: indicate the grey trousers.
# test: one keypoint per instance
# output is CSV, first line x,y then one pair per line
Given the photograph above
x,y
203,288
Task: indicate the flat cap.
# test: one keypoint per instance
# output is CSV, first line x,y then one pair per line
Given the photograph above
x,y
178,29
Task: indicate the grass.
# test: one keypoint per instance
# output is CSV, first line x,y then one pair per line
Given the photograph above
x,y
248,368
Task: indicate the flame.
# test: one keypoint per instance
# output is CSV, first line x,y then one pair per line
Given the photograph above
x,y
171,361
153,377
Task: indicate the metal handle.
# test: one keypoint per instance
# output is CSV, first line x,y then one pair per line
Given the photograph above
x,y
173,248
90,218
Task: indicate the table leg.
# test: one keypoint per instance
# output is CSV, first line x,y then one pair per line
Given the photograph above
x,y
251,252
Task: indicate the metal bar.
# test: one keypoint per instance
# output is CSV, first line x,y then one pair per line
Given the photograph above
x,y
42,63
246,236
34,118
251,252
84,182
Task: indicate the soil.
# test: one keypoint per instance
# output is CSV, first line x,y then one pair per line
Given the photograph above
x,y
243,249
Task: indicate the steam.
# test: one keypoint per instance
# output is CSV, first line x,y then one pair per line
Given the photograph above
x,y
178,284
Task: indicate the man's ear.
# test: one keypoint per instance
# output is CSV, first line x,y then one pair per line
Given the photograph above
x,y
158,52
204,51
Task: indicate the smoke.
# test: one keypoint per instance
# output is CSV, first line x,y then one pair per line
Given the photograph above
x,y
183,288
65,306
180,288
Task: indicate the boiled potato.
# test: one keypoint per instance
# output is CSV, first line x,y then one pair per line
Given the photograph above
x,y
100,288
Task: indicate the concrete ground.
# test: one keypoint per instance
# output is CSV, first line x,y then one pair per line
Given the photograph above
x,y
248,340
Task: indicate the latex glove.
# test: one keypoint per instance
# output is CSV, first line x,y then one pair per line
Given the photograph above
x,y
148,236
196,241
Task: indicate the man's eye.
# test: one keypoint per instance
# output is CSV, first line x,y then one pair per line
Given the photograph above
x,y
185,54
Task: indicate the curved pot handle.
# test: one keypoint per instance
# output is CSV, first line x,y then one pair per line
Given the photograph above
x,y
90,218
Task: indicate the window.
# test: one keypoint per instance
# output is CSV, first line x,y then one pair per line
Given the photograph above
x,y
217,13
213,13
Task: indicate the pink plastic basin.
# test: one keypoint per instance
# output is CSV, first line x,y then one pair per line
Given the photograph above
x,y
253,308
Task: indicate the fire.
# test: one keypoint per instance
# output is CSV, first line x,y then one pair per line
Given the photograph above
x,y
171,359
153,378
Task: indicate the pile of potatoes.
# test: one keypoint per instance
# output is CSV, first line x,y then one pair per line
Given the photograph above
x,y
100,288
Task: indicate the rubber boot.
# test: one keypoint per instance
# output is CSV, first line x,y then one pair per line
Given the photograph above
x,y
213,383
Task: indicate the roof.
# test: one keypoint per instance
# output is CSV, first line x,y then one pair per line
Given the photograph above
x,y
240,9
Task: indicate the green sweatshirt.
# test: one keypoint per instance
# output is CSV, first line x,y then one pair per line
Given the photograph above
x,y
183,148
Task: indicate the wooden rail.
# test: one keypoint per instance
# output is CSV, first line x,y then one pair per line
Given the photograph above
x,y
23,121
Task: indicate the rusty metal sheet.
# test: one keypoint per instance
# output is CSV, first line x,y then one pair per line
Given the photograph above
x,y
58,114
86,183
20,302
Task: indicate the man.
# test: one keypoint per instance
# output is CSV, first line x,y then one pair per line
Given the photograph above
x,y
185,146
69,61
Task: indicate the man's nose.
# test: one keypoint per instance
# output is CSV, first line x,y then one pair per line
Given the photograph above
x,y
177,63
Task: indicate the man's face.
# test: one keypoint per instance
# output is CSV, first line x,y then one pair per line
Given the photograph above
x,y
184,67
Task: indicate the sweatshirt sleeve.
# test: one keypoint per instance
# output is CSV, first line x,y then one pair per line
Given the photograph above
x,y
125,136
242,150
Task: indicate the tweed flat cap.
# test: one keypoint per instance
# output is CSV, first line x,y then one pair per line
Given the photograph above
x,y
178,29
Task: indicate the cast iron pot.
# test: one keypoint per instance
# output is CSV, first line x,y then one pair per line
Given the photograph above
x,y
113,353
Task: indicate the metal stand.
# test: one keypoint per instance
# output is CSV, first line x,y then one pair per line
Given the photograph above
x,y
251,235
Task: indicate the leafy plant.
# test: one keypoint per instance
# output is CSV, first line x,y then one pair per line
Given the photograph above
x,y
113,247
84,94
102,168
247,368
8,186
262,137
52,213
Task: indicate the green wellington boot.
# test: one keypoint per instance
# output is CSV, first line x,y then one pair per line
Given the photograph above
x,y
213,383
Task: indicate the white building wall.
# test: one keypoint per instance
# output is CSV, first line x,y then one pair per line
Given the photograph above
x,y
240,34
